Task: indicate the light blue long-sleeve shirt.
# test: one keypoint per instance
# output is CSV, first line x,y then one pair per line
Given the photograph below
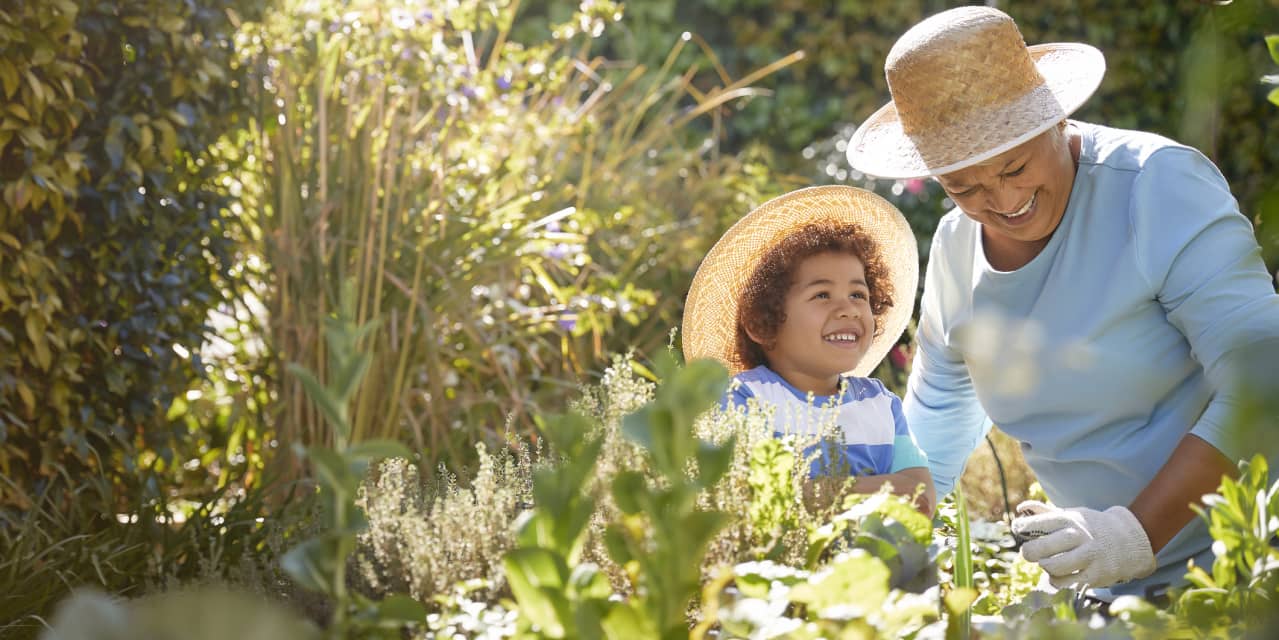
x,y
1107,348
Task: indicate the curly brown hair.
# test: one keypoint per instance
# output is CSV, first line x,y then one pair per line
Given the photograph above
x,y
760,305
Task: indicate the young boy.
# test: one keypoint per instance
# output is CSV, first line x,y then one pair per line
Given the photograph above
x,y
797,299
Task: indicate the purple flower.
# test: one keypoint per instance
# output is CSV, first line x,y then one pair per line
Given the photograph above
x,y
567,323
468,92
503,83
557,252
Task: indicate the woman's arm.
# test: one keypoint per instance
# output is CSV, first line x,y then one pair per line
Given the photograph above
x,y
1194,469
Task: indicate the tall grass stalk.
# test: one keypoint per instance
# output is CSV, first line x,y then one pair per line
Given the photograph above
x,y
499,205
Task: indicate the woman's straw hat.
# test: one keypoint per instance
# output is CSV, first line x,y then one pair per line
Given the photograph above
x,y
710,312
966,88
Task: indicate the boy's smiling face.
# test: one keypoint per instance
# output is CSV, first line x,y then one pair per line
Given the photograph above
x,y
828,324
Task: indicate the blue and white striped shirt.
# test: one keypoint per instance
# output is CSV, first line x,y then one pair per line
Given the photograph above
x,y
875,439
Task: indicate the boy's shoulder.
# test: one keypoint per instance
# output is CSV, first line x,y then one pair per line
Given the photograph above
x,y
867,388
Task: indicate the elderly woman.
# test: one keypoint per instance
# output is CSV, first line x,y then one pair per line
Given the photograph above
x,y
1091,294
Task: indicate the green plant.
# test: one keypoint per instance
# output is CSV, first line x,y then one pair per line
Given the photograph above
x,y
320,563
1242,591
510,207
662,535
115,237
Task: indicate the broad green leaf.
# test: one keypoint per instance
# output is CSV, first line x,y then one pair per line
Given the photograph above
x,y
400,608
332,470
536,577
336,413
1272,43
377,449
713,461
8,78
312,564
854,579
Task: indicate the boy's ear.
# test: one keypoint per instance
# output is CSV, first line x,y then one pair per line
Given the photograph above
x,y
754,335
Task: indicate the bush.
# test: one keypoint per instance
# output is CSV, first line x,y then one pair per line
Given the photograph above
x,y
114,238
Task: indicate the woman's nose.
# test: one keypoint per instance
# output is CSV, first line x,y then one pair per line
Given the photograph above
x,y
1006,199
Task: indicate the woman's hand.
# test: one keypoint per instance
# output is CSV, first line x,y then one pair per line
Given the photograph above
x,y
1084,547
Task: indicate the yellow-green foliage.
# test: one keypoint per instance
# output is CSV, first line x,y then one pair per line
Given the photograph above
x,y
510,207
112,235
1188,70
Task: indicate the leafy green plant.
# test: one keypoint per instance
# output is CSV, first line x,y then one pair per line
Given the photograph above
x,y
1242,591
873,574
1272,43
662,535
115,237
320,563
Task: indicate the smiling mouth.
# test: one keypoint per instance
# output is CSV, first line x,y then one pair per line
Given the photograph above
x,y
1025,208
841,338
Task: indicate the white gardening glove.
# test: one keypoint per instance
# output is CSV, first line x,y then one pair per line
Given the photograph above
x,y
1080,546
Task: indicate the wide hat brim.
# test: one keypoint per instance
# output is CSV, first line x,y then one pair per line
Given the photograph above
x,y
710,311
1072,72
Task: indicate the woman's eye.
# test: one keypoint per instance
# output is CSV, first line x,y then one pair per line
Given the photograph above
x,y
1016,172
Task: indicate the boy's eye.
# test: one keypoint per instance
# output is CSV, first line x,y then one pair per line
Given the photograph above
x,y
822,295
860,295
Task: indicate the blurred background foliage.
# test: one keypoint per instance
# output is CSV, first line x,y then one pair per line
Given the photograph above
x,y
519,191
1187,70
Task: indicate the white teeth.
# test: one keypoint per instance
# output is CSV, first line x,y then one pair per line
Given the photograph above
x,y
1024,208
842,337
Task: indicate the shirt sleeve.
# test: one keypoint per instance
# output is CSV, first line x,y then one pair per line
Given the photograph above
x,y
1199,255
906,452
736,395
941,406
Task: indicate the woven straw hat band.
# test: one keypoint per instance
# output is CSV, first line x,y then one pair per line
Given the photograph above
x,y
939,76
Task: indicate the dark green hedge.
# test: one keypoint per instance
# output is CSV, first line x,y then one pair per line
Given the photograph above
x,y
114,238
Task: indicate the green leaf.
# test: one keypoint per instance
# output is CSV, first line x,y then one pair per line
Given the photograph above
x,y
627,622
630,491
1273,96
333,471
713,461
401,609
377,449
312,564
855,579
8,78
335,412
536,577
1272,43
587,582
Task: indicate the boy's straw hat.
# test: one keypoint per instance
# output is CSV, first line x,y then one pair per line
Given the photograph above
x,y
966,88
710,312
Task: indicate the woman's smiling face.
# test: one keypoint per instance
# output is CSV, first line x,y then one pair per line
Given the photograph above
x,y
1019,196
